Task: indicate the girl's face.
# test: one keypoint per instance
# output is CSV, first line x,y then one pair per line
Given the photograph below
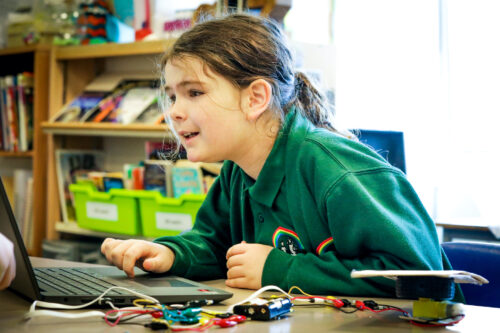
x,y
205,111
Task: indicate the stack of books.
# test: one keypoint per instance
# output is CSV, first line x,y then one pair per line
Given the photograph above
x,y
16,112
122,98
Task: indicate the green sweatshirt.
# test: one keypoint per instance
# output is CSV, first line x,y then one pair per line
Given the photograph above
x,y
327,204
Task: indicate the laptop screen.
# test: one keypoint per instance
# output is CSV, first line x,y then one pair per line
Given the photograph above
x,y
24,282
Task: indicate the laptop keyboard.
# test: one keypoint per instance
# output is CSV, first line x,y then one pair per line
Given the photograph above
x,y
73,281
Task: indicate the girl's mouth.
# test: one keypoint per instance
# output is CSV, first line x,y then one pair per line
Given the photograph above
x,y
190,135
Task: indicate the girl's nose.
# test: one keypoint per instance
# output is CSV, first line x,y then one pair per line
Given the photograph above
x,y
176,112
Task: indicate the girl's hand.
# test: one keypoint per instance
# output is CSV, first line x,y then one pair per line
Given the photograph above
x,y
148,256
7,262
245,263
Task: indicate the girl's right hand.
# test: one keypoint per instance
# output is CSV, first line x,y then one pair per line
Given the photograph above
x,y
148,256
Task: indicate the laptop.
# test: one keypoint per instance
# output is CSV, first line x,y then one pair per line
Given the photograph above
x,y
79,285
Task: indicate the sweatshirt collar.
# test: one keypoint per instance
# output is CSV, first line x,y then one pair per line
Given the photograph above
x,y
265,189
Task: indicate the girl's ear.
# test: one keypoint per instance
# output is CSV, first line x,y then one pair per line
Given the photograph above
x,y
257,97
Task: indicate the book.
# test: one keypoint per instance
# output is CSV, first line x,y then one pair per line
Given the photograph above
x,y
157,176
70,165
162,150
27,222
187,177
11,110
3,118
21,177
110,181
134,102
8,184
25,110
152,115
112,97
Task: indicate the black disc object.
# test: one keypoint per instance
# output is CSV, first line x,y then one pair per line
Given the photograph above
x,y
415,287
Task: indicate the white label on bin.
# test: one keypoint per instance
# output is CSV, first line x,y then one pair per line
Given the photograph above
x,y
102,211
173,221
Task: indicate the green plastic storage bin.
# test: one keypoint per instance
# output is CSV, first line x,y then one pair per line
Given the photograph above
x,y
116,211
161,216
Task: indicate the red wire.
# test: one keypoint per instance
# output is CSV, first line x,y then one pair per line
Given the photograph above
x,y
129,313
386,309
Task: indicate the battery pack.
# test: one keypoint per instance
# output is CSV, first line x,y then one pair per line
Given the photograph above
x,y
264,309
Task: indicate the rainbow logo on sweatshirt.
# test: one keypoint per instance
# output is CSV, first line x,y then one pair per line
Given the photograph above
x,y
287,241
323,245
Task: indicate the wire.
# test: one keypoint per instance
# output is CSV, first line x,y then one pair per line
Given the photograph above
x,y
257,293
49,305
301,291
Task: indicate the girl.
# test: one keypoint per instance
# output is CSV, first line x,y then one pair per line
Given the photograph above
x,y
297,202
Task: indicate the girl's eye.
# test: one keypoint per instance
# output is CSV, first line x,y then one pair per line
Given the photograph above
x,y
171,99
195,93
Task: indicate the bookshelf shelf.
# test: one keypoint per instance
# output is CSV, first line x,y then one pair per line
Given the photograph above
x,y
16,154
112,50
107,129
24,49
74,229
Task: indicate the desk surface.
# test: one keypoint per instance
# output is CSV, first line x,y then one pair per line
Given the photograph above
x,y
12,309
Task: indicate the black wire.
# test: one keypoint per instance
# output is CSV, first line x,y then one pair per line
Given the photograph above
x,y
394,308
345,311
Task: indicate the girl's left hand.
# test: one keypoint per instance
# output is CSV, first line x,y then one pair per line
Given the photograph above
x,y
245,263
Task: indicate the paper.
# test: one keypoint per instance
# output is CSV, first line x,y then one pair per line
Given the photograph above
x,y
457,276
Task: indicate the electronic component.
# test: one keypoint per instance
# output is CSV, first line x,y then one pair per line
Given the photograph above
x,y
264,309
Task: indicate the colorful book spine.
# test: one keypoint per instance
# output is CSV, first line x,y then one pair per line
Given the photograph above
x,y
25,110
10,87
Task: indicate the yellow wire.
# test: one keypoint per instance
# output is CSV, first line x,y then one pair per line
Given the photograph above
x,y
304,293
142,300
298,288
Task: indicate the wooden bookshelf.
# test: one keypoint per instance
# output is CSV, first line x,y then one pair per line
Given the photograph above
x,y
24,49
34,58
107,129
112,50
72,68
16,154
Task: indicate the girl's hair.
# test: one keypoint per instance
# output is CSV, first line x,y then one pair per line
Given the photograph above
x,y
243,48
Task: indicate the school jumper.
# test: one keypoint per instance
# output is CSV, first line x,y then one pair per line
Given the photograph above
x,y
326,204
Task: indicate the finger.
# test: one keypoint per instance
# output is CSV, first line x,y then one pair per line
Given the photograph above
x,y
107,248
236,272
105,245
9,273
130,257
161,261
153,264
118,251
235,249
236,260
240,282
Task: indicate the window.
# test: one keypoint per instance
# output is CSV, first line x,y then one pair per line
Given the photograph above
x,y
429,68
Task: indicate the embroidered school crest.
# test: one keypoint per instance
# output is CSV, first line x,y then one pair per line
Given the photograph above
x,y
287,241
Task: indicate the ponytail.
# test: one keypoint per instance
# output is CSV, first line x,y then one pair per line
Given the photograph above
x,y
314,105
